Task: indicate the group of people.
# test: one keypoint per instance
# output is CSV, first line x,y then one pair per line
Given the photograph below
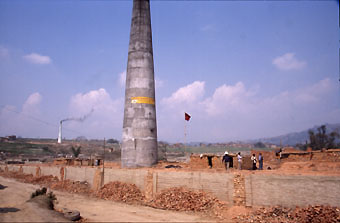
x,y
228,161
254,161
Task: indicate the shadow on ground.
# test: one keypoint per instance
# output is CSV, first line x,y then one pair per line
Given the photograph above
x,y
6,210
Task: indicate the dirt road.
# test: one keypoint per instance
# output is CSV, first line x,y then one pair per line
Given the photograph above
x,y
15,208
15,194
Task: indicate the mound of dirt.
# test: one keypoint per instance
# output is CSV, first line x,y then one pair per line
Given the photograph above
x,y
118,191
43,201
310,214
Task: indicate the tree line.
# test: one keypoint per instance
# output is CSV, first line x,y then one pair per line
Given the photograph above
x,y
320,139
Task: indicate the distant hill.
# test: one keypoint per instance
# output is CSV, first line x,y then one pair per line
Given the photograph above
x,y
297,137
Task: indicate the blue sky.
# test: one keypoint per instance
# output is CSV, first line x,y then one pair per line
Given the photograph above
x,y
242,69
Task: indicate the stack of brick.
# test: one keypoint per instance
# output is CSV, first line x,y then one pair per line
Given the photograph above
x,y
118,191
310,214
197,162
268,156
246,163
182,199
239,196
330,156
217,162
72,186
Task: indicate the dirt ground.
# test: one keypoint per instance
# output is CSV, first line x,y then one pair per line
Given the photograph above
x,y
14,208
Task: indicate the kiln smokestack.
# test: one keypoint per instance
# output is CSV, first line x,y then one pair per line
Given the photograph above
x,y
139,146
60,134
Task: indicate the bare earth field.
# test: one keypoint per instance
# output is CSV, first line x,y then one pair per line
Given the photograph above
x,y
14,208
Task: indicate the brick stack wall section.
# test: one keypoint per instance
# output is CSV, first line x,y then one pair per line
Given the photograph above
x,y
326,156
197,162
217,162
268,156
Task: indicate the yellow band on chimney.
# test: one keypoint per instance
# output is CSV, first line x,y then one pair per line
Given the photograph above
x,y
142,100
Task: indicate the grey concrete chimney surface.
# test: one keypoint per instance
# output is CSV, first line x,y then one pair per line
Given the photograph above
x,y
139,139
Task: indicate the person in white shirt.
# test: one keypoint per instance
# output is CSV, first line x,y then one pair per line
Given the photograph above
x,y
239,160
254,161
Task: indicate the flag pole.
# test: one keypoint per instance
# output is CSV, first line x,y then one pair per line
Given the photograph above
x,y
185,136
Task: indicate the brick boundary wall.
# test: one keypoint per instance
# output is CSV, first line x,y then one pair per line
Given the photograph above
x,y
291,191
236,189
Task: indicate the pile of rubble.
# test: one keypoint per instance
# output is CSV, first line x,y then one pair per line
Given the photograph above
x,y
310,214
43,180
118,191
72,186
182,199
51,181
16,175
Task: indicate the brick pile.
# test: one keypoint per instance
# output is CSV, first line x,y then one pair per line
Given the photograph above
x,y
118,191
239,196
43,180
72,186
310,214
329,156
182,199
50,181
17,175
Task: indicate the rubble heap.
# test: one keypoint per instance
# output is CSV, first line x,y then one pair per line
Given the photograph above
x,y
51,182
310,214
182,199
43,180
118,191
72,186
17,175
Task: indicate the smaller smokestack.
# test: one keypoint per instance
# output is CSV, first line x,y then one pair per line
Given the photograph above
x,y
60,129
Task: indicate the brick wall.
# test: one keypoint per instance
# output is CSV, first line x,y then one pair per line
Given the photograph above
x,y
219,184
238,188
290,191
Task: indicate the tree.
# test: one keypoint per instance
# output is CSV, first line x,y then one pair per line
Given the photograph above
x,y
259,145
321,139
113,141
302,146
331,140
76,151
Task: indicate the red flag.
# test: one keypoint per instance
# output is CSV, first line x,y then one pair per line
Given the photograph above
x,y
187,116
